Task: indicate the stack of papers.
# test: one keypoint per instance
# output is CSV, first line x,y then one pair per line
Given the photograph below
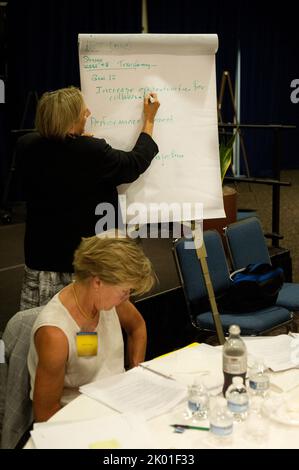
x,y
138,391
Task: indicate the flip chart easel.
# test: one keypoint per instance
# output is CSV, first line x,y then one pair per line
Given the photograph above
x,y
116,72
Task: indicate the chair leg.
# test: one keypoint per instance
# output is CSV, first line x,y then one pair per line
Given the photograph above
x,y
294,325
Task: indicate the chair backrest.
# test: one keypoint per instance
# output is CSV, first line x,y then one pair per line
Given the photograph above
x,y
16,414
191,273
251,323
246,243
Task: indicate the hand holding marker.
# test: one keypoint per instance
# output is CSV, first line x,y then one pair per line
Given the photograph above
x,y
150,108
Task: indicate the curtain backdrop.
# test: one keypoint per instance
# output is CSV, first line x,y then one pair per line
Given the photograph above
x,y
199,17
269,46
43,42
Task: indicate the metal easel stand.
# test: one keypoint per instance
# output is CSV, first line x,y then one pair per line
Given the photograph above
x,y
226,82
202,256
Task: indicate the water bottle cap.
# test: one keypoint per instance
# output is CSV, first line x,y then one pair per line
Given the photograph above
x,y
234,330
237,380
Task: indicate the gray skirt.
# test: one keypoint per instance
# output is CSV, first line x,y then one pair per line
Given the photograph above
x,y
40,286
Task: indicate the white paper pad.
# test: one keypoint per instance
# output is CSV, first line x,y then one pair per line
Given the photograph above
x,y
116,72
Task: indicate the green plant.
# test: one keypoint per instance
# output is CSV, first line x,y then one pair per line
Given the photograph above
x,y
226,152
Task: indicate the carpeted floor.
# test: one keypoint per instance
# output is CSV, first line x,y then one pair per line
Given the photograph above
x,y
259,198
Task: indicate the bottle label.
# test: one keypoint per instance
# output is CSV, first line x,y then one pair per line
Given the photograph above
x,y
237,407
221,430
234,365
259,385
194,406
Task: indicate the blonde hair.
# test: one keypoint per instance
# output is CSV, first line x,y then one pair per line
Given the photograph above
x,y
114,261
57,111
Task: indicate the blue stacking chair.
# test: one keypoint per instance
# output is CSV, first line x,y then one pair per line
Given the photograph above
x,y
247,244
191,276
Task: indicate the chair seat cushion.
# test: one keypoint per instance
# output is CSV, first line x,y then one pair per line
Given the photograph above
x,y
249,323
288,296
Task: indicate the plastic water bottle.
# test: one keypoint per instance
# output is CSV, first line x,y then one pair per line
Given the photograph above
x,y
237,399
234,357
221,422
198,401
256,428
259,381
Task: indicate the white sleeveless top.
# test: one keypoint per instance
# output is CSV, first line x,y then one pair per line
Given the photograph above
x,y
80,370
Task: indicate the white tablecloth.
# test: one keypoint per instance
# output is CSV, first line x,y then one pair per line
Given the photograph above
x,y
277,434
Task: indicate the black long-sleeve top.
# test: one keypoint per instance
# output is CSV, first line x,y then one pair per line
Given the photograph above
x,y
63,182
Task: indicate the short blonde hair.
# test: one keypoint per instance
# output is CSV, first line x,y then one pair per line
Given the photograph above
x,y
114,261
57,111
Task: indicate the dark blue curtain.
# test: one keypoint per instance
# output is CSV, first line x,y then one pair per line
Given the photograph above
x,y
269,46
43,42
199,17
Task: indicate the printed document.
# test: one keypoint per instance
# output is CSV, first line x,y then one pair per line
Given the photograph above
x,y
137,391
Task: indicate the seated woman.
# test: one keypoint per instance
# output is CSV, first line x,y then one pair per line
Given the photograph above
x,y
77,338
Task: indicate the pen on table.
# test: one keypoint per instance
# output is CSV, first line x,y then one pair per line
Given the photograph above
x,y
187,426
156,372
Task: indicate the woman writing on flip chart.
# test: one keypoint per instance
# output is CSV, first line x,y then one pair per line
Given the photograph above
x,y
66,174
